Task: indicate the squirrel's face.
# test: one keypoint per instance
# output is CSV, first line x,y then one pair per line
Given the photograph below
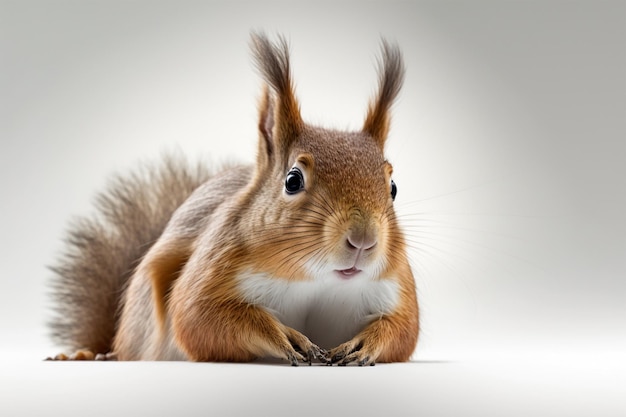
x,y
332,208
347,185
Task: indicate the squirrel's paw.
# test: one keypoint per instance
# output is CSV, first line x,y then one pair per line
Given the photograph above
x,y
84,355
360,351
302,349
111,356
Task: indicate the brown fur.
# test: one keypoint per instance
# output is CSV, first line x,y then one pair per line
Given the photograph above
x,y
102,252
184,300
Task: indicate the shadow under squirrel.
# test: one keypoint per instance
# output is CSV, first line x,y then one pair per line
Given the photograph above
x,y
298,257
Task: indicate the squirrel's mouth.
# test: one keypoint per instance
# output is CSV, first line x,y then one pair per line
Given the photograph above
x,y
347,273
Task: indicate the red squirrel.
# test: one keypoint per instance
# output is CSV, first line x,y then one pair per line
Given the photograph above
x,y
298,257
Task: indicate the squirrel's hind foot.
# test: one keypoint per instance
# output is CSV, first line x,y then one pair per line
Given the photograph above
x,y
84,355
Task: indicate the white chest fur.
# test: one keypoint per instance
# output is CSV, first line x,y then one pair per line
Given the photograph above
x,y
329,311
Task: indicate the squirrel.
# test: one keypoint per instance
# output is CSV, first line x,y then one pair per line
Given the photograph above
x,y
299,257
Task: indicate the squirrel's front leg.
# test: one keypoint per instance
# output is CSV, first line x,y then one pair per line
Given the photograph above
x,y
239,332
383,340
388,338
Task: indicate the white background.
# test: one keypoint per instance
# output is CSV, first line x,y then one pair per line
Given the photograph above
x,y
509,151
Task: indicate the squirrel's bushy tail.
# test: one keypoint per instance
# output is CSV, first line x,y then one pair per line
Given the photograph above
x,y
102,251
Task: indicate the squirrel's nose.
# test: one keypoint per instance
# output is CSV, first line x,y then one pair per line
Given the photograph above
x,y
361,239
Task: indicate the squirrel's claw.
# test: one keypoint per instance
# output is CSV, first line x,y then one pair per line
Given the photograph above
x,y
294,358
353,351
318,353
305,349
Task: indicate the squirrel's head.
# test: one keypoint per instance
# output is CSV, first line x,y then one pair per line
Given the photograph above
x,y
328,195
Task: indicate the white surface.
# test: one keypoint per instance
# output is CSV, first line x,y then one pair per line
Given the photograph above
x,y
532,386
508,151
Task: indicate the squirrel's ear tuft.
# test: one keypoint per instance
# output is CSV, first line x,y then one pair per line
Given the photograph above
x,y
390,79
280,121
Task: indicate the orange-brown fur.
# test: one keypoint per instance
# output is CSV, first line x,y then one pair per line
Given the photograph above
x,y
185,299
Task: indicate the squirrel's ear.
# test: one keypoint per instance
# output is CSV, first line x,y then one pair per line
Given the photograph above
x,y
280,120
390,79
266,127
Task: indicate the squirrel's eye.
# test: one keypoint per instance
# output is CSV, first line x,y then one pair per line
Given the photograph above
x,y
294,181
394,190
